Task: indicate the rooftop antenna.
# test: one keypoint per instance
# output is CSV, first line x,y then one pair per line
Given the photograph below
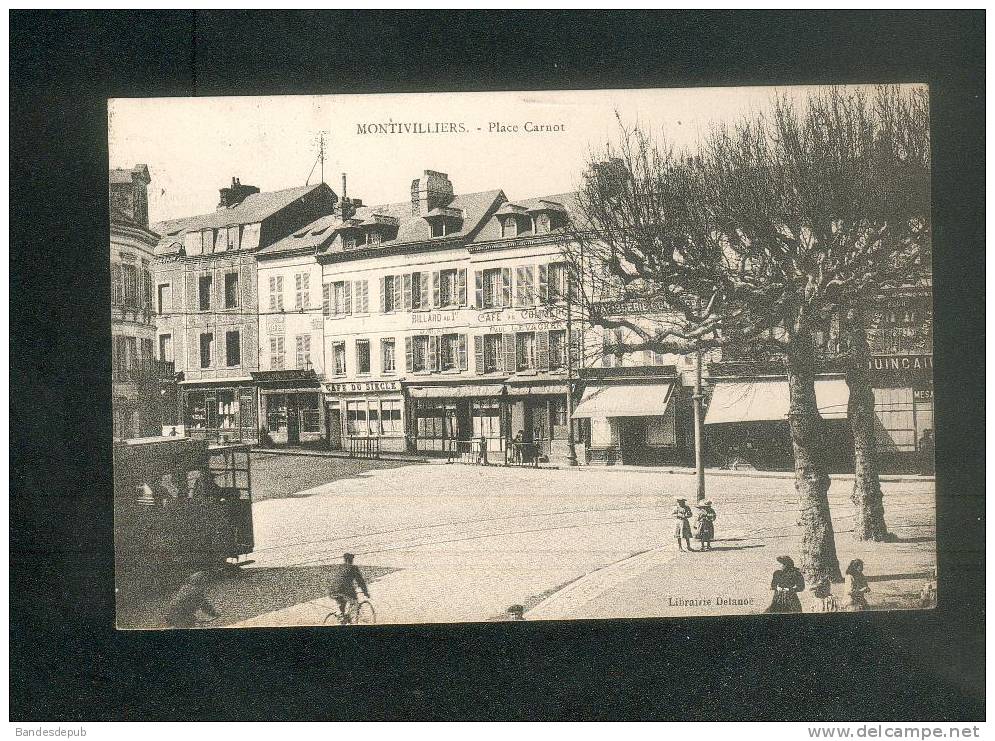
x,y
320,159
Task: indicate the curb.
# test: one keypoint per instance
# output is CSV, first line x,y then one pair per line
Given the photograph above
x,y
337,454
889,478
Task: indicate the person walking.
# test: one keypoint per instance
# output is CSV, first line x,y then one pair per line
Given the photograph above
x,y
786,583
927,451
855,587
704,528
682,513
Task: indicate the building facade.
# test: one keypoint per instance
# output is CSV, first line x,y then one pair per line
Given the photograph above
x,y
134,388
206,290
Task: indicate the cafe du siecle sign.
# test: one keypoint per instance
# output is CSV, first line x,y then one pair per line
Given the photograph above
x,y
362,387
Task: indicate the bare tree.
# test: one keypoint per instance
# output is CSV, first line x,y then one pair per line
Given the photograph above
x,y
757,239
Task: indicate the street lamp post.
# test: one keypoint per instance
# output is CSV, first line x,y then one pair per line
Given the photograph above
x,y
571,445
699,428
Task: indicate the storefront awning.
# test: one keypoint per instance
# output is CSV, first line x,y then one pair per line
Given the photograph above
x,y
767,400
535,389
454,392
217,381
629,400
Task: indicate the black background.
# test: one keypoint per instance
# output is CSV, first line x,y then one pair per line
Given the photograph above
x,y
68,662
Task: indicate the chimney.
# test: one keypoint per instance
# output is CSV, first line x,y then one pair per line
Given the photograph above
x,y
343,187
235,194
432,190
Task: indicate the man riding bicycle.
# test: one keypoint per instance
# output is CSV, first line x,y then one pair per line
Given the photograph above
x,y
344,579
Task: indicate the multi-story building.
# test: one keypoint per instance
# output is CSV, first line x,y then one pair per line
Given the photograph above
x,y
206,293
134,397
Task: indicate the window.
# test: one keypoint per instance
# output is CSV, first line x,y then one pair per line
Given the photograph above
x,y
374,237
557,349
486,419
130,285
415,291
390,417
276,411
553,289
526,350
447,293
166,348
361,296
231,290
387,361
525,285
349,243
418,353
206,348
277,353
165,298
493,288
390,290
117,284
509,226
362,356
233,348
338,358
558,412
542,223
438,227
302,292
895,411
303,351
341,297
492,353
206,283
276,293
449,352
146,286
356,423
611,345
310,415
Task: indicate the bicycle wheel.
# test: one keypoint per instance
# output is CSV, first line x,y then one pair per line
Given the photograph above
x,y
365,614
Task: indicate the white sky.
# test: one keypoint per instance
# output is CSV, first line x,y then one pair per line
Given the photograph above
x,y
193,146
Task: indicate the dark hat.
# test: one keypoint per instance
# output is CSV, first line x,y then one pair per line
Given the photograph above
x,y
786,560
348,556
681,499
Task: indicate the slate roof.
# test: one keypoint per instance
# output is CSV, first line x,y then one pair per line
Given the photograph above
x,y
559,202
476,209
253,209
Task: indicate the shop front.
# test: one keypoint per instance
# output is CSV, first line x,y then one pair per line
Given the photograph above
x,y
746,424
903,406
537,414
444,415
223,411
636,422
289,407
359,414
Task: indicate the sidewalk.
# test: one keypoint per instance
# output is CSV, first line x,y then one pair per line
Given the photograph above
x,y
308,452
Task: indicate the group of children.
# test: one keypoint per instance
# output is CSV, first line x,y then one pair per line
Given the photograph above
x,y
703,529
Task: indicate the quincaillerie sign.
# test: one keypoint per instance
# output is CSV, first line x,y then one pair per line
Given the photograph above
x,y
901,364
363,387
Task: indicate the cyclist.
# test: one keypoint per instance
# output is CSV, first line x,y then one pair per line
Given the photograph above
x,y
344,579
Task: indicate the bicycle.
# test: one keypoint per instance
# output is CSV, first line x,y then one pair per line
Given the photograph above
x,y
357,612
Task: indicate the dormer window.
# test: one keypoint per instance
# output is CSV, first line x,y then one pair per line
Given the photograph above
x,y
542,223
439,228
509,226
349,242
375,237
445,220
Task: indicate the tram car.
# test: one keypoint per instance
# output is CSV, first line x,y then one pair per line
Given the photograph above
x,y
180,504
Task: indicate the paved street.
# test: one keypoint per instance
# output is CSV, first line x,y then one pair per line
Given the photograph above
x,y
446,543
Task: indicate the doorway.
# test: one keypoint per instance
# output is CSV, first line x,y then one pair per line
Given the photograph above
x,y
333,427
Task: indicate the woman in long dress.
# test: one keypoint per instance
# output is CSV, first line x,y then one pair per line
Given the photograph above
x,y
682,513
855,587
704,529
786,584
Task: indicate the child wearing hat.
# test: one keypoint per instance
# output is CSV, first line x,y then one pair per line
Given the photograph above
x,y
682,513
703,526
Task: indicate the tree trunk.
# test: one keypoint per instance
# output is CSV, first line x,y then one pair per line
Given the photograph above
x,y
868,500
811,477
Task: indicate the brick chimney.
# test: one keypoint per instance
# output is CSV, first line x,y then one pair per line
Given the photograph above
x,y
235,193
430,191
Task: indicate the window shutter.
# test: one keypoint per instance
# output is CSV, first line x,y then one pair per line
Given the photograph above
x,y
249,350
505,286
347,290
409,354
366,297
520,286
508,340
191,300
433,353
397,292
544,284
407,291
306,290
461,287
478,354
542,350
423,291
576,350
478,288
435,289
383,294
462,353
326,299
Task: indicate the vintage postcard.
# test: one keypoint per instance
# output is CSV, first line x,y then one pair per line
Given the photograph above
x,y
412,358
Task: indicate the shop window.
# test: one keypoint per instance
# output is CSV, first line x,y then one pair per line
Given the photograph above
x,y
356,418
205,284
525,344
486,416
196,410
895,426
227,410
557,349
390,417
206,349
338,358
276,293
307,406
276,412
231,290
558,412
302,291
277,353
662,431
388,363
233,348
362,356
303,342
165,298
